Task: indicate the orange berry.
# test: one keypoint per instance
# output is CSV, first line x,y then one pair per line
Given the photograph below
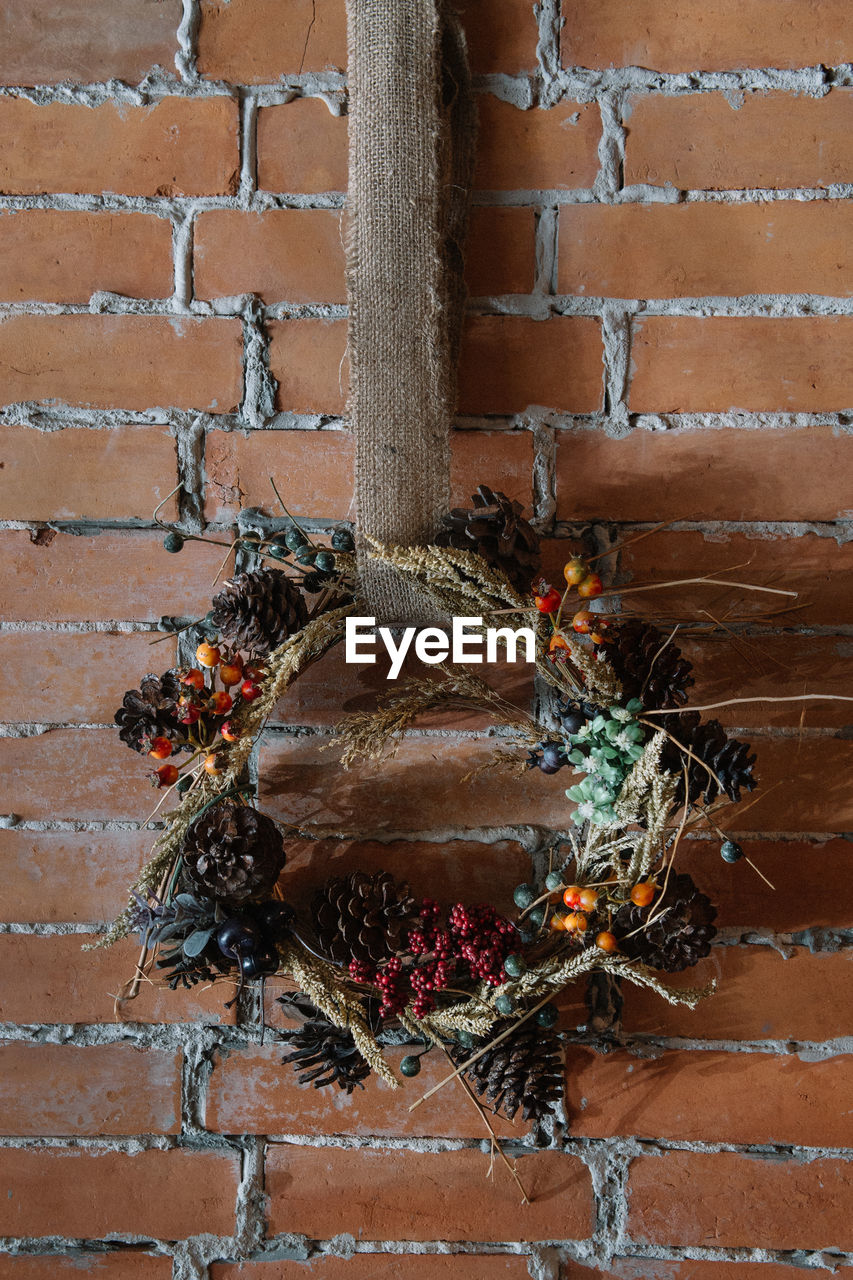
x,y
255,672
572,895
211,765
228,732
576,922
160,749
596,637
193,677
168,775
591,586
221,703
606,941
574,571
583,622
642,894
557,641
588,899
558,923
207,655
549,602
231,672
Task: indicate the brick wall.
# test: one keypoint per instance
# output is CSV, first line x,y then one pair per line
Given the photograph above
x,y
661,329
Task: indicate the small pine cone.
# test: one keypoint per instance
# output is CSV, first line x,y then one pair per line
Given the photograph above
x,y
497,531
258,611
707,740
648,668
326,1054
525,1070
680,935
233,853
151,711
364,917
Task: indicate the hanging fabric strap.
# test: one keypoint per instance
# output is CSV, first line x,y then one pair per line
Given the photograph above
x,y
412,131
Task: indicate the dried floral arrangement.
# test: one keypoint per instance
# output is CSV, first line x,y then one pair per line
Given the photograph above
x,y
372,964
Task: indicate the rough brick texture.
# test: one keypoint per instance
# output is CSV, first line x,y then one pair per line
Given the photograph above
x,y
659,329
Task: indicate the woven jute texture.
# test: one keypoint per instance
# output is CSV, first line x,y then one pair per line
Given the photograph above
x,y
412,131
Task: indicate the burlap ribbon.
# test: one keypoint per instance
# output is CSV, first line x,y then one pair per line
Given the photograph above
x,y
412,131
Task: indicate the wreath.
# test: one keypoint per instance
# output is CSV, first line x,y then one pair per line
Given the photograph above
x,y
371,964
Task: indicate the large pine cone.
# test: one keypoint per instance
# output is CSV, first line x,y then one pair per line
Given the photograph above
x,y
233,853
707,739
525,1070
648,668
326,1054
151,711
364,917
679,937
496,530
258,611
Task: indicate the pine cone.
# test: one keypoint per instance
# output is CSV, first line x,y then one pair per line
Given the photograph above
x,y
258,611
497,531
364,917
679,937
151,711
232,852
326,1054
707,739
648,667
525,1070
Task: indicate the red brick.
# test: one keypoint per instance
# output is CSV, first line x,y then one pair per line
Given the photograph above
x,y
378,1266
126,362
500,251
406,1195
749,666
302,148
334,688
293,255
744,901
86,40
729,1201
501,35
817,568
256,41
536,149
719,474
791,364
178,146
103,1089
703,141
252,1091
42,777
416,791
65,257
690,1269
687,1096
509,363
706,248
319,469
116,575
70,677
687,35
71,474
70,876
164,1194
308,357
52,979
760,996
449,871
124,1264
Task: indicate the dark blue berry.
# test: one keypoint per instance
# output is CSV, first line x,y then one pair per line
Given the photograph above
x,y
342,540
411,1065
504,1006
255,963
554,755
524,895
324,561
173,542
295,538
236,937
730,851
537,917
547,1015
553,881
514,966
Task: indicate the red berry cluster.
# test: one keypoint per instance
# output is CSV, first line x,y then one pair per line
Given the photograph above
x,y
475,938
